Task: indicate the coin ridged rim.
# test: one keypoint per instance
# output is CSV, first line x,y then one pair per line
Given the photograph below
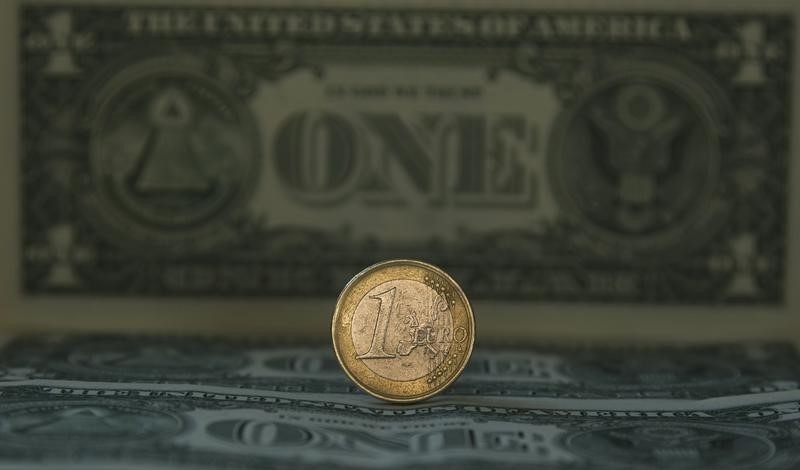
x,y
435,270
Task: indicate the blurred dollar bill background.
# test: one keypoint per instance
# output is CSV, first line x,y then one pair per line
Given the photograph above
x,y
581,171
614,171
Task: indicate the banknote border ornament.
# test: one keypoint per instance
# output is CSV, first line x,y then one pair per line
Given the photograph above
x,y
171,421
711,109
220,81
429,384
645,443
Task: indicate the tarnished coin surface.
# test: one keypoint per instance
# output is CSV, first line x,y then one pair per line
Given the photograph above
x,y
403,330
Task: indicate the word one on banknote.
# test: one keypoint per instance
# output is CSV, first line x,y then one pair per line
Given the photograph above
x,y
560,156
403,330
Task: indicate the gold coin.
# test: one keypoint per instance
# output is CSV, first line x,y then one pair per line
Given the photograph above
x,y
403,330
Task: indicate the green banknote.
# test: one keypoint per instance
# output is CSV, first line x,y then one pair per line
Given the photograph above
x,y
121,402
88,425
494,371
630,166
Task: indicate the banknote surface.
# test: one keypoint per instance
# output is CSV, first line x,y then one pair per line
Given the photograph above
x,y
583,169
153,427
168,402
575,155
587,372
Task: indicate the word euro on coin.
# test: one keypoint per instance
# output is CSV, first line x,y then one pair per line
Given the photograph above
x,y
403,330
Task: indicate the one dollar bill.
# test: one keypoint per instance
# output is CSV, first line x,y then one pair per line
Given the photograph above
x,y
129,425
102,401
263,152
494,372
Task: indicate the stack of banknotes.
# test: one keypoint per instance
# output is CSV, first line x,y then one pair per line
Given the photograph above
x,y
133,402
